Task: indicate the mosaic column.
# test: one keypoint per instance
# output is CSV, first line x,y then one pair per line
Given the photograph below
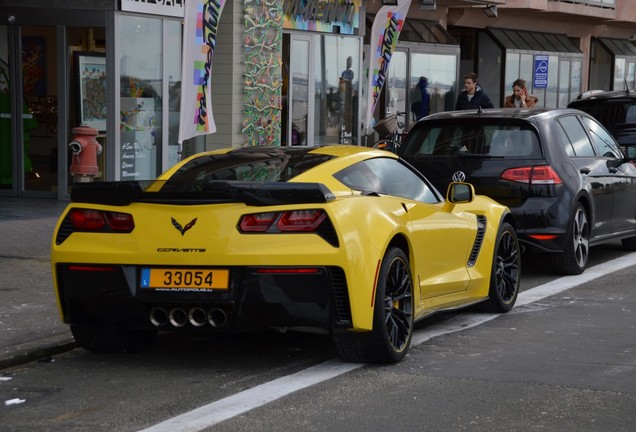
x,y
263,80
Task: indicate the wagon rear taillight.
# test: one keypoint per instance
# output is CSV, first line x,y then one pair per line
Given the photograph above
x,y
538,175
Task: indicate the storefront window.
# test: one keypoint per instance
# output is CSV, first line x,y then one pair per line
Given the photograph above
x,y
526,70
173,63
397,83
320,98
564,84
440,71
420,81
6,140
300,91
512,72
575,80
140,97
337,84
553,78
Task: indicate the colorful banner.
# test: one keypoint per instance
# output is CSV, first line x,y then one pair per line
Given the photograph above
x,y
199,39
385,32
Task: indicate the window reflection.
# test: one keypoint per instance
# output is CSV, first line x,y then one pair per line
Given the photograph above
x,y
141,98
337,90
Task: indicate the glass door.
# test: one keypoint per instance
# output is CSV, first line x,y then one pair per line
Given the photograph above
x,y
300,91
38,53
320,92
6,128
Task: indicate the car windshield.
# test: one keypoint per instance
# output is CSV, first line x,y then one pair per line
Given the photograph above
x,y
478,140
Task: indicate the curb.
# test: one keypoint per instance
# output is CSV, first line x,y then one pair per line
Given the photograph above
x,y
36,350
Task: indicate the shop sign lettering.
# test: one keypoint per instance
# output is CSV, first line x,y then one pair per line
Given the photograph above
x,y
330,12
174,8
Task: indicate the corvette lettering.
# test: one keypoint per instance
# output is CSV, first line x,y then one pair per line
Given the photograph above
x,y
186,250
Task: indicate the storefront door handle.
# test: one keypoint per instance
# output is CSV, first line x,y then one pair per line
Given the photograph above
x,y
5,115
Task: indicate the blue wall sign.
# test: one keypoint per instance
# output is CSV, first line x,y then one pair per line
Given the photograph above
x,y
540,79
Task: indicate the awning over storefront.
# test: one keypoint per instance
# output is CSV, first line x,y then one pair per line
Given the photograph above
x,y
426,32
619,47
533,41
421,31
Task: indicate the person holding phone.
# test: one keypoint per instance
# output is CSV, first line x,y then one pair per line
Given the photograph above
x,y
520,97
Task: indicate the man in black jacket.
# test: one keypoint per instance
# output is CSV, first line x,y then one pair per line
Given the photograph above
x,y
472,97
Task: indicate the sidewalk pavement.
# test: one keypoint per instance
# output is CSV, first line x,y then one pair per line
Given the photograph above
x,y
30,325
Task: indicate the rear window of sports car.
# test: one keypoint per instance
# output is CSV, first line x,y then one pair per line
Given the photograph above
x,y
480,140
265,166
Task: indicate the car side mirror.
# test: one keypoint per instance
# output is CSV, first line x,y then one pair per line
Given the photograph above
x,y
630,151
460,193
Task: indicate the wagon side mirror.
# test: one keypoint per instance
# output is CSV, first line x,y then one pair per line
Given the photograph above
x,y
630,151
460,193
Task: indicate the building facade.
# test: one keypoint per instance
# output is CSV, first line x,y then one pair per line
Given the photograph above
x,y
284,73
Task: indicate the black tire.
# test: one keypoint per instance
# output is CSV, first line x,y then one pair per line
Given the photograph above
x,y
104,339
573,260
629,244
390,338
505,275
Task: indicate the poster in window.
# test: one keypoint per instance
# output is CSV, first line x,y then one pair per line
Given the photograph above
x,y
90,70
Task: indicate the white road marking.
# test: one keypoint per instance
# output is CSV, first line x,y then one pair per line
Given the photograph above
x,y
221,410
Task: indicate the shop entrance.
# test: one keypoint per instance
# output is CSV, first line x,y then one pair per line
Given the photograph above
x,y
321,76
39,105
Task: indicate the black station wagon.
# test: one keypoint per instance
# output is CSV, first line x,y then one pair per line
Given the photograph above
x,y
564,177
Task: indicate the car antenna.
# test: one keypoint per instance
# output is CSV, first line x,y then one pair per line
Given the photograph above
x,y
626,87
480,110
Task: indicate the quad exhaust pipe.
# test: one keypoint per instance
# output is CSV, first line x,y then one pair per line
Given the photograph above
x,y
196,316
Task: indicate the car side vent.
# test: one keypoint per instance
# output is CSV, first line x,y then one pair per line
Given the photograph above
x,y
341,297
479,240
66,229
328,233
59,272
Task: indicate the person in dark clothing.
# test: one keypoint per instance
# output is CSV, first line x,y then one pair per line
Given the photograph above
x,y
472,96
420,106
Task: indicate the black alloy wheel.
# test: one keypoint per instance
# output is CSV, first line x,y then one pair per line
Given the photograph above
x,y
506,271
397,303
390,338
573,260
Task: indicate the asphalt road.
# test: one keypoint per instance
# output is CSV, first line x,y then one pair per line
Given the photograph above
x,y
566,362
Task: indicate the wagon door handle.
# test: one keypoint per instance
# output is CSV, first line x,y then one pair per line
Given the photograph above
x,y
585,170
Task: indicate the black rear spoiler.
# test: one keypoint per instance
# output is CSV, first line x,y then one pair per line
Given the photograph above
x,y
122,193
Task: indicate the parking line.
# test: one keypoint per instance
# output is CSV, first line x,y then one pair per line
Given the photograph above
x,y
224,409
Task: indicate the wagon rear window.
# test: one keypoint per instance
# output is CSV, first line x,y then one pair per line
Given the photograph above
x,y
507,141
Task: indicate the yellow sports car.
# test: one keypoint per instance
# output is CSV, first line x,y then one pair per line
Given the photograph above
x,y
347,240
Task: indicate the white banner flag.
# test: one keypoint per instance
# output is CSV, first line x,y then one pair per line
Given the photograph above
x,y
201,21
385,32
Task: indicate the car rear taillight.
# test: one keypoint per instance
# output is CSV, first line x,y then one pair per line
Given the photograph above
x,y
98,220
287,221
258,222
301,220
541,174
